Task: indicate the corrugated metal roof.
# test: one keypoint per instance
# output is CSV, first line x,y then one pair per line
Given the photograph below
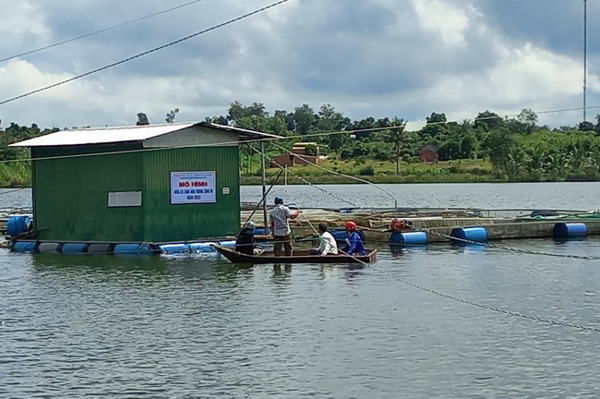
x,y
129,133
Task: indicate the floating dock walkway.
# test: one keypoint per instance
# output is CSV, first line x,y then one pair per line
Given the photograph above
x,y
439,224
418,227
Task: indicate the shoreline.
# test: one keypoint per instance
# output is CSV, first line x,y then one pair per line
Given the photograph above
x,y
257,181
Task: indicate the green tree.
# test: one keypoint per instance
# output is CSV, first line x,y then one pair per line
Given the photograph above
x,y
142,119
237,111
449,150
219,120
395,136
435,129
311,150
487,120
499,144
469,145
304,118
527,117
329,120
171,115
585,126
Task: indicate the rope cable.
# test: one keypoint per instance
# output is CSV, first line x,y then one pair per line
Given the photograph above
x,y
466,301
512,249
343,175
145,52
333,195
99,31
476,304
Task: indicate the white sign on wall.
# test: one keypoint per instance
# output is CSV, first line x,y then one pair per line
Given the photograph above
x,y
193,187
124,198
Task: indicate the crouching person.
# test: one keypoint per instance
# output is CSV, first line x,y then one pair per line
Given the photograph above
x,y
355,245
328,243
245,243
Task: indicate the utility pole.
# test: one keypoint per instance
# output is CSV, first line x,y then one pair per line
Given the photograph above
x,y
264,186
584,57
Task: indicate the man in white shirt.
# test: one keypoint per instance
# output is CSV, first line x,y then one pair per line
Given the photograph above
x,y
328,243
282,233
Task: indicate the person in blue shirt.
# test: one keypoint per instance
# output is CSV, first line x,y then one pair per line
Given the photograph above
x,y
355,245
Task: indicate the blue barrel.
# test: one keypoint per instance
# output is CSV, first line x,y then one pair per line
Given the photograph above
x,y
227,244
49,247
100,248
409,238
170,249
260,231
340,235
473,234
25,246
569,230
73,247
18,224
134,249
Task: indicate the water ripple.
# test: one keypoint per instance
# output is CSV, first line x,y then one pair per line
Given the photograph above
x,y
119,327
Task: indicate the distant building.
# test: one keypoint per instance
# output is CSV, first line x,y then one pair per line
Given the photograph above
x,y
428,153
297,156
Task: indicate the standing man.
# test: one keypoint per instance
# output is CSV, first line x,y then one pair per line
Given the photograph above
x,y
280,217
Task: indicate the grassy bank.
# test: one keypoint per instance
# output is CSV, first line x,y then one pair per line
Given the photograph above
x,y
15,174
461,171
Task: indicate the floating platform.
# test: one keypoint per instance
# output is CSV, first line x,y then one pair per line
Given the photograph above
x,y
420,228
172,248
438,224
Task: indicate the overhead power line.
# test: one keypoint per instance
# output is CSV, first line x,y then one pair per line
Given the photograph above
x,y
145,52
100,31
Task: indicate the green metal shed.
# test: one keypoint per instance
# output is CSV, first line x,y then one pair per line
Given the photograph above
x,y
154,183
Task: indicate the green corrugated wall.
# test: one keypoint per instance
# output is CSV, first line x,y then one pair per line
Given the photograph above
x,y
70,194
166,222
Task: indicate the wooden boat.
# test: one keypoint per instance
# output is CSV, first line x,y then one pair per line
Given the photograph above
x,y
299,256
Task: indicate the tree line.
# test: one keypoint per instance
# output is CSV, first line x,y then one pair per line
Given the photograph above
x,y
519,149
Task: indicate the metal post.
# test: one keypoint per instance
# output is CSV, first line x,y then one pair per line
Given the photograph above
x,y
264,186
584,57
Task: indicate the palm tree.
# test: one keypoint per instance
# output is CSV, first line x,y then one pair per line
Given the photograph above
x,y
395,135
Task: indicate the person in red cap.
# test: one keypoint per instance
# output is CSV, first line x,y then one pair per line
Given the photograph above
x,y
280,227
355,245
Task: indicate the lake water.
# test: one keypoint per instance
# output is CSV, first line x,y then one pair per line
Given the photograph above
x,y
443,322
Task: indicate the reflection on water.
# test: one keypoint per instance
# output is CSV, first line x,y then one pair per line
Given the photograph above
x,y
107,262
490,196
287,269
202,327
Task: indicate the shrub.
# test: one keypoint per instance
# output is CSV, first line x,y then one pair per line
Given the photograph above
x,y
479,171
311,150
367,171
408,159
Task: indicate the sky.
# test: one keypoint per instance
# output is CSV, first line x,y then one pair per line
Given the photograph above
x,y
366,58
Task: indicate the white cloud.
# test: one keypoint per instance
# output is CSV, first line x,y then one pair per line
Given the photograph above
x,y
22,19
524,77
443,18
379,58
